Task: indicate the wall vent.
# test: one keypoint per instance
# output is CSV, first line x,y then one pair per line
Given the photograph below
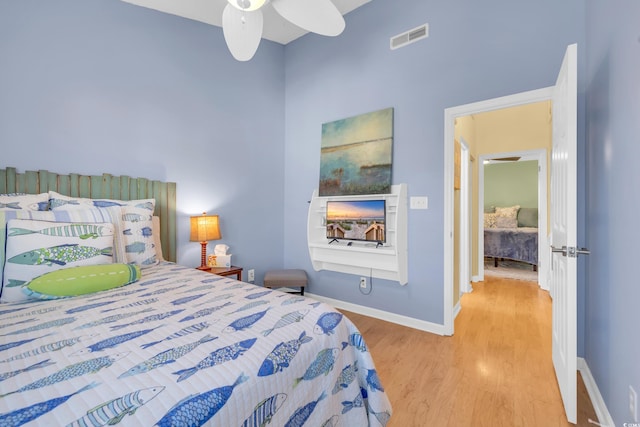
x,y
408,37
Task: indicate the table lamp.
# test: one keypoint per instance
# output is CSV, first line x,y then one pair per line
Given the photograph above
x,y
204,228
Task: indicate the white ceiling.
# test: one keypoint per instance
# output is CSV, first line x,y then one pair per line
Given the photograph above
x,y
276,28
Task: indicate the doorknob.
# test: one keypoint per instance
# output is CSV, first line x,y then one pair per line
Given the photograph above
x,y
571,251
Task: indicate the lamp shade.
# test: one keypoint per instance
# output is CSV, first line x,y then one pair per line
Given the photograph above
x,y
204,228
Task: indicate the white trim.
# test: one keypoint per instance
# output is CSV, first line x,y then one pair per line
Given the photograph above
x,y
475,279
380,314
450,114
464,239
456,309
604,417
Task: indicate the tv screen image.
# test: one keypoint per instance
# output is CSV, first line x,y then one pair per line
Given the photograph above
x,y
356,220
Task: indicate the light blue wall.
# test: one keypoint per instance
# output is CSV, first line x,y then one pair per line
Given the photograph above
x,y
476,51
612,344
104,86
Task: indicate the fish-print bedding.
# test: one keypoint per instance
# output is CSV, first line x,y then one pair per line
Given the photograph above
x,y
183,347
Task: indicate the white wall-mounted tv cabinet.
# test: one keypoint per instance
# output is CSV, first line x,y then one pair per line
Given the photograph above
x,y
362,258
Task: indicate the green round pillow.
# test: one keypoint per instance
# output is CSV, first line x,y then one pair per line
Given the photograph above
x,y
82,280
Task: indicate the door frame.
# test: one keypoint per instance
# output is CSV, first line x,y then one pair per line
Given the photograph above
x,y
465,219
450,115
540,155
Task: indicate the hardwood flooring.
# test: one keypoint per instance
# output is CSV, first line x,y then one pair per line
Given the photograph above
x,y
495,371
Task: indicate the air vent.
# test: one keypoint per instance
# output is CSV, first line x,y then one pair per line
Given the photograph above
x,y
411,36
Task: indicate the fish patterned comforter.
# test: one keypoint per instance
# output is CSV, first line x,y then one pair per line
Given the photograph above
x,y
185,348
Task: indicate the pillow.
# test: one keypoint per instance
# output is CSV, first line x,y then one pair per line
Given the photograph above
x,y
38,247
87,279
508,212
156,238
57,200
505,222
27,202
528,217
490,220
112,215
136,226
6,215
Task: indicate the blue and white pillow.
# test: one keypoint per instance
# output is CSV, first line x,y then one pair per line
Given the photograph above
x,y
24,202
60,201
112,215
8,214
135,228
38,247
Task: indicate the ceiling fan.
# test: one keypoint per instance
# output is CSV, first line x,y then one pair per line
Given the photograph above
x,y
507,159
242,21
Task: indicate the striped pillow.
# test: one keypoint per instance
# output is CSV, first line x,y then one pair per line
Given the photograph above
x,y
135,228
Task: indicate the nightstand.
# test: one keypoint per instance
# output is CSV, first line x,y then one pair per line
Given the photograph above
x,y
227,271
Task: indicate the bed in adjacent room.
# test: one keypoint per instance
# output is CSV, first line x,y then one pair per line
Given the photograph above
x,y
511,233
166,344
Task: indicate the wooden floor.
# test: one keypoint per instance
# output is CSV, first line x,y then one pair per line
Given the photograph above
x,y
495,371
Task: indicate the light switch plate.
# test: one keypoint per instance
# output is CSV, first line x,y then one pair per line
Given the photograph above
x,y
419,202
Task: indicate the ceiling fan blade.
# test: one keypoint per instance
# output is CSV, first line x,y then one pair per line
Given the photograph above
x,y
242,31
318,16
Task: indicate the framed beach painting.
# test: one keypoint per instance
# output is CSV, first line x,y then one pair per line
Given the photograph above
x,y
356,155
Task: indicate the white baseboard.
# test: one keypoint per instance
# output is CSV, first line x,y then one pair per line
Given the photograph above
x,y
604,417
456,309
410,322
476,279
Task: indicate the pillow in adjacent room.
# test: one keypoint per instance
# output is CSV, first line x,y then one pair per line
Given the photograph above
x,y
506,222
528,217
507,217
38,247
508,212
24,202
136,223
489,220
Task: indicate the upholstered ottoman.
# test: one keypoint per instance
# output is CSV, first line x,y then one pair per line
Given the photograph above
x,y
286,279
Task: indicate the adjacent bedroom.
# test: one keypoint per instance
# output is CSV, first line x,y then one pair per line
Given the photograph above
x,y
511,218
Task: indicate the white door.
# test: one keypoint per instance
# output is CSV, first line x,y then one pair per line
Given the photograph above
x,y
563,231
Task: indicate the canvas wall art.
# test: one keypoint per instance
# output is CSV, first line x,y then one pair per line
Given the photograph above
x,y
356,155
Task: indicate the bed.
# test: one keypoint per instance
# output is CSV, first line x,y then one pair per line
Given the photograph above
x,y
511,233
179,346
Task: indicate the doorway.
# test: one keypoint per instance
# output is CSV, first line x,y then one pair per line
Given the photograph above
x,y
451,115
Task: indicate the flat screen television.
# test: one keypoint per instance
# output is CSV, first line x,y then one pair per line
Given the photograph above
x,y
357,220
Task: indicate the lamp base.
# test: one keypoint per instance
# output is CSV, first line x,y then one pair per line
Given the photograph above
x,y
203,257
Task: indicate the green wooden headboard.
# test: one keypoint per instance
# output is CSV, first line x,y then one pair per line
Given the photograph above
x,y
103,186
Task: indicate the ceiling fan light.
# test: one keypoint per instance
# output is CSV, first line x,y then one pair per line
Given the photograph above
x,y
247,5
